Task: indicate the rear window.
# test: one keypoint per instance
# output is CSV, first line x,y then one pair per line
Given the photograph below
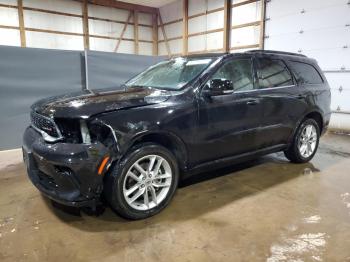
x,y
305,73
273,73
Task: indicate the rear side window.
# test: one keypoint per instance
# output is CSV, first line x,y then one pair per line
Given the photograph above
x,y
273,73
305,73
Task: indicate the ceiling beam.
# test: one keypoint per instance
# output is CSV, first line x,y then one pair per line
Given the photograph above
x,y
123,5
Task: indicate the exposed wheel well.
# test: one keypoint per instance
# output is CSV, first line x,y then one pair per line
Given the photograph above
x,y
170,142
317,117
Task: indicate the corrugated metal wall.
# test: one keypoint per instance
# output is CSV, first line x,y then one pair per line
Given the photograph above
x,y
319,29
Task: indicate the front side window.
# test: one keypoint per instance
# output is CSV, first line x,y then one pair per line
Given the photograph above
x,y
305,73
273,73
239,72
172,74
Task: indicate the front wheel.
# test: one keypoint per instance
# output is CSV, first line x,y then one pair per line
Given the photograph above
x,y
305,142
143,183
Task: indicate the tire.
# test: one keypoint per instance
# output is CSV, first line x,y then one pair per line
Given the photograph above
x,y
301,149
150,191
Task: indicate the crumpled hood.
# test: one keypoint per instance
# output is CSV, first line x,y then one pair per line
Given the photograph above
x,y
88,103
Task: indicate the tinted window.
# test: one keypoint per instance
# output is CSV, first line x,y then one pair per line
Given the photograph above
x,y
273,73
239,71
306,73
171,74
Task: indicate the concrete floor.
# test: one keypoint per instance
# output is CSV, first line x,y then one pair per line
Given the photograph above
x,y
264,210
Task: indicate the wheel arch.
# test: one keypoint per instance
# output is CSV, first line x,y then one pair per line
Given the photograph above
x,y
168,140
313,114
317,116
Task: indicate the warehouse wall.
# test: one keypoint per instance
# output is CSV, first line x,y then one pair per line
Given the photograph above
x,y
29,74
319,29
58,24
206,26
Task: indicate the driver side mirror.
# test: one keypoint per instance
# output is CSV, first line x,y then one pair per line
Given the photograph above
x,y
218,87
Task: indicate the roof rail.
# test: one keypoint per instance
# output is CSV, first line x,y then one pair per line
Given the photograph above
x,y
274,52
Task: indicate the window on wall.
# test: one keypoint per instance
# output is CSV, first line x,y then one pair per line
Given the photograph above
x,y
273,73
305,73
239,71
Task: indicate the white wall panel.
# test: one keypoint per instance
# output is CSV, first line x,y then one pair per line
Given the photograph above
x,y
110,29
340,90
145,18
160,34
173,30
197,24
54,41
145,48
66,6
215,4
246,13
200,6
145,33
215,40
99,44
282,8
340,122
206,22
215,20
108,45
316,28
108,13
8,2
196,7
196,43
175,46
52,22
8,16
10,37
171,12
127,47
245,36
162,49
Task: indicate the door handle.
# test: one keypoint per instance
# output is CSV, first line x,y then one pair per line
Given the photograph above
x,y
300,96
252,102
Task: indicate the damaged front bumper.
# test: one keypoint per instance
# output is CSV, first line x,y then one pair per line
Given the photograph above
x,y
69,174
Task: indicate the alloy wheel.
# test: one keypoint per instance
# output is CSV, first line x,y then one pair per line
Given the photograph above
x,y
307,141
147,182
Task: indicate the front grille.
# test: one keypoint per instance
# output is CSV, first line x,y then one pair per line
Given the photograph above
x,y
45,124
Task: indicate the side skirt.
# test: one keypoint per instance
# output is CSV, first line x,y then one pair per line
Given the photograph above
x,y
227,161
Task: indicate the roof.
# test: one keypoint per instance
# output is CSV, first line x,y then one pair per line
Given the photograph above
x,y
258,51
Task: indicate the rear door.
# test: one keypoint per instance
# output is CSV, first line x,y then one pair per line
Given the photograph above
x,y
282,100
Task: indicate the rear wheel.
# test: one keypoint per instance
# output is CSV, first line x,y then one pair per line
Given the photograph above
x,y
143,183
305,142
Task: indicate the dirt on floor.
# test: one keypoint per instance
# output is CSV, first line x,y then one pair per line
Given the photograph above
x,y
263,210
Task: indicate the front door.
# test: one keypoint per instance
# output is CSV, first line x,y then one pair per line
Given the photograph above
x,y
228,123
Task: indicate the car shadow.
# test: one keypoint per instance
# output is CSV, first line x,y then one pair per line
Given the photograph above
x,y
197,195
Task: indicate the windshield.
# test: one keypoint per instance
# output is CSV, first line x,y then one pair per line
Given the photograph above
x,y
171,74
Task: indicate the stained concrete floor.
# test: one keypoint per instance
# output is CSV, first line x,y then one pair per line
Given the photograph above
x,y
263,210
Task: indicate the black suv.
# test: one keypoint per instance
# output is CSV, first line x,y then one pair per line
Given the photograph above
x,y
179,116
